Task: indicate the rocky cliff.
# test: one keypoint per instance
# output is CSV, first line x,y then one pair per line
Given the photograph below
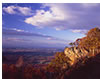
x,y
90,70
75,54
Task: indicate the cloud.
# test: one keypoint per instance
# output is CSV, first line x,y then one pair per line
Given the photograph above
x,y
89,5
10,9
19,32
14,39
66,16
20,42
14,31
48,18
49,38
79,31
17,9
61,16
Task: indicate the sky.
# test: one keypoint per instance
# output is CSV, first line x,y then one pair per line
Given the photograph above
x,y
32,25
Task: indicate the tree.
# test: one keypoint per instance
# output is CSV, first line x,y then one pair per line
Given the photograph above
x,y
71,44
77,41
92,40
59,62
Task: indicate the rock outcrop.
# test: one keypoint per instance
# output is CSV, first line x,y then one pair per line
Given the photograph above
x,y
20,62
75,54
90,70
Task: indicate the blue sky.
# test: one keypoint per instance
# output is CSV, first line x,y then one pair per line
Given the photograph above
x,y
47,25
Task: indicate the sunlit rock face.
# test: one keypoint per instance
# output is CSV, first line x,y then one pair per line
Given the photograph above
x,y
75,53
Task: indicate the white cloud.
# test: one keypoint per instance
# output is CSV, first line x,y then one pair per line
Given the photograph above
x,y
18,30
10,9
79,31
58,29
25,10
89,5
40,17
66,16
18,10
60,16
76,31
49,38
14,39
48,18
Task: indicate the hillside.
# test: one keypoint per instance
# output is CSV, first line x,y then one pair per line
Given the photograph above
x,y
90,70
80,61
